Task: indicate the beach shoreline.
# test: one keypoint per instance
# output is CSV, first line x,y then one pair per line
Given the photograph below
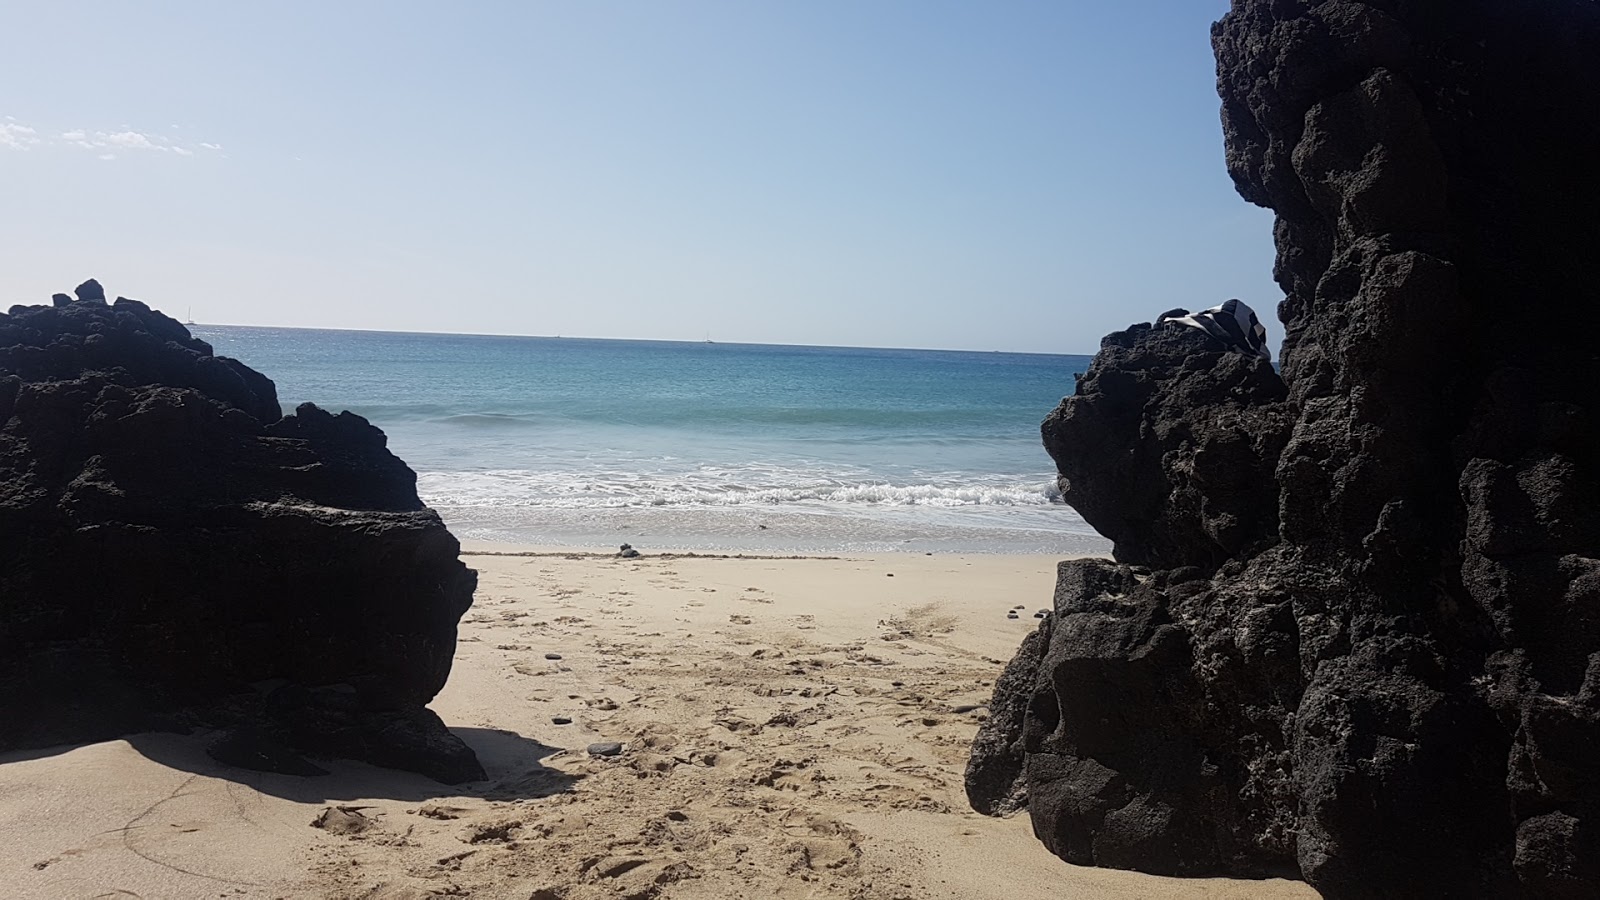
x,y
792,727
471,549
785,529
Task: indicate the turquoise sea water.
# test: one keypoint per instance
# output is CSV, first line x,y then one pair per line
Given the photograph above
x,y
699,445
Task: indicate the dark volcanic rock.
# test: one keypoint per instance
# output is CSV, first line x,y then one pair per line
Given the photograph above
x,y
250,748
1168,446
1369,652
409,736
994,782
167,537
90,292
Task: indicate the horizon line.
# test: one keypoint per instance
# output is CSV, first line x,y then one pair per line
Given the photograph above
x,y
569,337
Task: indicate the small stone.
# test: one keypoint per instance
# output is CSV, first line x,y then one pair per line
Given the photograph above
x,y
888,574
552,656
966,707
1019,607
605,748
560,720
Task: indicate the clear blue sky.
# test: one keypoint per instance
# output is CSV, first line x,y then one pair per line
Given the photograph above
x,y
1010,175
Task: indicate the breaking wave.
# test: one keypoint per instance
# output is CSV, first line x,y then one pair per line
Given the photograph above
x,y
716,488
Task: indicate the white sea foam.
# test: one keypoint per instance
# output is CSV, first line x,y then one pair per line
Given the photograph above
x,y
692,444
599,489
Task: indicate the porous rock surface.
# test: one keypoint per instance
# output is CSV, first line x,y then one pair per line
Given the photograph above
x,y
997,751
1371,660
175,552
1168,446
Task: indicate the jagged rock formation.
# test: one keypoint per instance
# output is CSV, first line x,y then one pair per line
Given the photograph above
x,y
1377,669
998,751
174,551
1169,444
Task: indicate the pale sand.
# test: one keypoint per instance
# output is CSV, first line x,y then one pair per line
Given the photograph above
x,y
770,754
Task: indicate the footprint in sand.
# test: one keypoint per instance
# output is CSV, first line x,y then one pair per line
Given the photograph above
x,y
633,876
898,796
724,758
494,831
820,843
443,811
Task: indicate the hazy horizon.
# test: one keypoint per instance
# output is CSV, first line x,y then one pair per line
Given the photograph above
x,y
593,337
1022,177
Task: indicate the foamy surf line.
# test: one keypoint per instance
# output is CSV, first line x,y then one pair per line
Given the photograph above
x,y
614,489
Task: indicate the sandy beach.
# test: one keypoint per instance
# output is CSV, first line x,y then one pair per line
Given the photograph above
x,y
791,728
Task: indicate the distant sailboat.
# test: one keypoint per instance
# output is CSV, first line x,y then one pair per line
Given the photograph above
x,y
708,338
189,320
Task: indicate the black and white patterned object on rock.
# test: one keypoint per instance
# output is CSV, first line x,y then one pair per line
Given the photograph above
x,y
1232,322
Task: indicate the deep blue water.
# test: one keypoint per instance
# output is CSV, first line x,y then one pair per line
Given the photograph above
x,y
669,444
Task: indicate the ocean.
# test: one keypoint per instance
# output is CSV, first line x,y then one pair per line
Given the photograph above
x,y
699,446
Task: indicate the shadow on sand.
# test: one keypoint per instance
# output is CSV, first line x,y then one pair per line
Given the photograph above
x,y
511,761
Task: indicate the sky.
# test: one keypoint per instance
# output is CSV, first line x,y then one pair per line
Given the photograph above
x,y
897,173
